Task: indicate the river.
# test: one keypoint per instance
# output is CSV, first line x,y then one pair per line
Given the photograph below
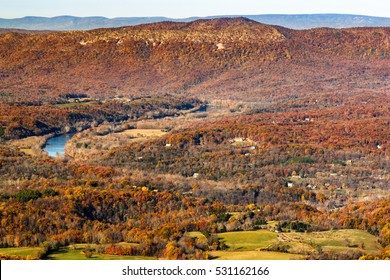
x,y
57,144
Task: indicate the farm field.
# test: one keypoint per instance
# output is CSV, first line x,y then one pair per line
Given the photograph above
x,y
27,252
253,255
337,240
31,145
75,104
248,240
76,252
86,144
267,245
142,134
72,254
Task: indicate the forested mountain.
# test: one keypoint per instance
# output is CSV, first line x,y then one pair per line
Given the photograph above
x,y
233,58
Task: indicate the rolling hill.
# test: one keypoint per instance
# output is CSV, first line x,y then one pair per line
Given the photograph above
x,y
229,58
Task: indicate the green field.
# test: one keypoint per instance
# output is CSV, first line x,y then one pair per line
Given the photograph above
x,y
71,254
264,244
253,255
248,240
75,252
29,252
74,104
195,234
336,240
247,245
242,245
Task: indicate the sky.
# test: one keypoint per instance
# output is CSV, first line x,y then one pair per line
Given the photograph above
x,y
188,8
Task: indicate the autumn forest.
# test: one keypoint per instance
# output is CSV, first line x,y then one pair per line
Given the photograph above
x,y
191,137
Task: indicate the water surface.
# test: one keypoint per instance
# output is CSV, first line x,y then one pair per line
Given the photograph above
x,y
57,144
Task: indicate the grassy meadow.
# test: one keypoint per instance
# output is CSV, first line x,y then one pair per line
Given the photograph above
x,y
77,254
26,252
268,245
248,240
253,255
241,245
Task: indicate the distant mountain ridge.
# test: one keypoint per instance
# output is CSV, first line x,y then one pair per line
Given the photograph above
x,y
219,58
303,21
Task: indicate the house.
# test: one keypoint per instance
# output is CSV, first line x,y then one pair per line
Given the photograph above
x,y
168,145
311,187
196,175
295,175
290,184
220,46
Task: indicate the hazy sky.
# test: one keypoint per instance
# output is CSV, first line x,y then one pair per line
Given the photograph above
x,y
188,8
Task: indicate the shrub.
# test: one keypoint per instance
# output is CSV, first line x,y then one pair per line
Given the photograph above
x,y
26,195
49,192
307,160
